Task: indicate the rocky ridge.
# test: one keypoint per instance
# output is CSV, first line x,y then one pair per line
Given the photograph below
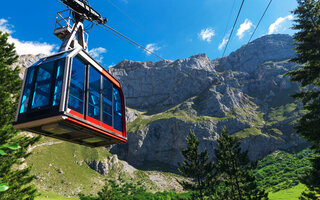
x,y
246,91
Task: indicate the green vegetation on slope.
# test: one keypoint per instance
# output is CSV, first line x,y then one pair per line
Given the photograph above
x,y
120,189
61,172
183,111
186,112
60,167
289,112
248,132
53,196
282,170
249,115
292,193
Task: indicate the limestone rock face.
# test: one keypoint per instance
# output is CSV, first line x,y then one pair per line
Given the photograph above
x,y
27,60
276,47
165,83
104,166
131,115
245,91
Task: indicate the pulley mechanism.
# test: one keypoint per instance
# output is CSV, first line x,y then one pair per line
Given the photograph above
x,y
69,24
82,8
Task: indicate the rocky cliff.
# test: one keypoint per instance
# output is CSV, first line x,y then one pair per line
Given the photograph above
x,y
246,91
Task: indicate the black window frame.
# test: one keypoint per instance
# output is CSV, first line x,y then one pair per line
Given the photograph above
x,y
46,110
114,107
86,93
85,86
112,114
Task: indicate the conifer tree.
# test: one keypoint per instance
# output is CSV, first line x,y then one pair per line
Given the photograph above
x,y
195,166
10,85
115,190
307,45
235,179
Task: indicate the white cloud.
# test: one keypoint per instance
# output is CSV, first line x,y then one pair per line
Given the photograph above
x,y
206,34
245,26
96,53
26,47
5,27
223,43
152,47
281,24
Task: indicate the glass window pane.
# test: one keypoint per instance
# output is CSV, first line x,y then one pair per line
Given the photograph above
x,y
117,110
58,82
26,91
94,94
41,94
76,93
107,102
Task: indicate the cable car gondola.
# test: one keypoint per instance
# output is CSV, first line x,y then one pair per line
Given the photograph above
x,y
69,95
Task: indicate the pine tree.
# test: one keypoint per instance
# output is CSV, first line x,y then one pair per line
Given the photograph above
x,y
115,190
307,45
234,171
10,85
195,166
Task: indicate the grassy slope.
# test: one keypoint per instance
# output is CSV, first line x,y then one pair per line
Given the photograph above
x,y
183,111
61,171
53,196
282,170
289,112
60,168
186,112
288,194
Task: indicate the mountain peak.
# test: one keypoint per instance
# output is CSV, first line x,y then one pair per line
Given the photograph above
x,y
275,47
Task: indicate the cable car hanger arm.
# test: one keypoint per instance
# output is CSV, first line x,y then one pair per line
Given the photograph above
x,y
81,11
75,36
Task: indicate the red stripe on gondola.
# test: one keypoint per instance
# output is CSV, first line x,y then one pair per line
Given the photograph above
x,y
97,122
93,120
111,78
106,126
93,128
72,112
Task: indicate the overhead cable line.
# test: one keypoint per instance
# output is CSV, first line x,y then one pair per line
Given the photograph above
x,y
121,36
225,31
245,47
235,22
124,13
127,39
259,21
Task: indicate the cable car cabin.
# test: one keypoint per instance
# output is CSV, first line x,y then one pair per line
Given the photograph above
x,y
69,96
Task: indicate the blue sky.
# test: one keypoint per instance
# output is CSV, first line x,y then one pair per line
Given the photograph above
x,y
172,29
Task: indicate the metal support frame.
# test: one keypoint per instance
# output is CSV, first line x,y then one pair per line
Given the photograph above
x,y
69,24
69,29
70,41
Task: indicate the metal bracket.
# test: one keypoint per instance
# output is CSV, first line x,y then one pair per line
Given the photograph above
x,y
70,30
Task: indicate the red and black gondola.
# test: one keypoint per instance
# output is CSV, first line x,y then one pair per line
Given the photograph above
x,y
70,96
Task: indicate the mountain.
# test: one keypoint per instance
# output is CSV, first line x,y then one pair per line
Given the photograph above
x,y
245,91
